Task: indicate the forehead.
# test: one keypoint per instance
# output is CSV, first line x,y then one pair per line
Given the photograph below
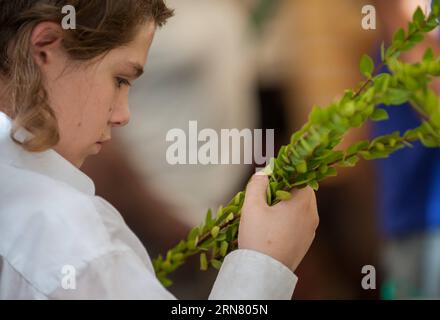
x,y
135,52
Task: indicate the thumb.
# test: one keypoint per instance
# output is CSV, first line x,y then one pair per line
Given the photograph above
x,y
256,190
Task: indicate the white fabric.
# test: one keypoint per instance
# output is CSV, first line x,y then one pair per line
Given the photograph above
x,y
50,218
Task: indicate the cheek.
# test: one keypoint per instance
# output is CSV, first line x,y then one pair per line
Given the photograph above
x,y
73,94
104,100
98,109
84,103
97,112
67,98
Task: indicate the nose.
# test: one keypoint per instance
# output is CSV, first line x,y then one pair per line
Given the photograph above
x,y
120,116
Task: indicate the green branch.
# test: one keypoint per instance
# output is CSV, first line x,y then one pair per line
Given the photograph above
x,y
310,157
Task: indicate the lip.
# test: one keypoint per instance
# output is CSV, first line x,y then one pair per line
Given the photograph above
x,y
99,145
101,142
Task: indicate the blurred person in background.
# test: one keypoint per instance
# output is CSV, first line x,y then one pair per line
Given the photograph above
x,y
409,183
326,42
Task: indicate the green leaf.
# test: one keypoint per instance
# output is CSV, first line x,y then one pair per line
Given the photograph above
x,y
399,36
348,96
273,186
323,169
348,109
428,55
411,83
305,145
178,257
379,115
166,266
311,175
408,45
215,231
314,185
416,37
396,97
332,172
237,199
431,102
390,52
216,264
208,218
230,217
221,236
268,170
181,246
157,263
428,128
165,282
203,262
349,162
301,167
374,154
412,27
366,65
224,248
435,6
435,119
418,16
357,121
193,233
379,146
233,231
317,114
192,244
428,141
335,155
209,243
430,25
219,212
381,82
283,195
354,148
268,195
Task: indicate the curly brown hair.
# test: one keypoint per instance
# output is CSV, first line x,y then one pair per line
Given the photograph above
x,y
101,25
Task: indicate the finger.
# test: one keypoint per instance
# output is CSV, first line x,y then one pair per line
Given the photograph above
x,y
298,196
256,191
304,193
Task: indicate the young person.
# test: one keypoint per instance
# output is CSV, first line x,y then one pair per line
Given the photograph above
x,y
62,93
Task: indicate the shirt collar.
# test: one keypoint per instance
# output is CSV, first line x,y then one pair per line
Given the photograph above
x,y
48,163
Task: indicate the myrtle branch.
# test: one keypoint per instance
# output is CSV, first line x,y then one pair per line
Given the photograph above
x,y
310,156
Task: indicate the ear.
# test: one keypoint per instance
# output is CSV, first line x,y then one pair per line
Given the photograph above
x,y
46,42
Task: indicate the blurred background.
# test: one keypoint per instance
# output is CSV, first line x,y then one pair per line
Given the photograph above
x,y
264,64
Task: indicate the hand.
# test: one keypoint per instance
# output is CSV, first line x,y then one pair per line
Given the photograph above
x,y
284,231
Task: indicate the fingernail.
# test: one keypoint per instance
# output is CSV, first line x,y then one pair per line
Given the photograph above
x,y
260,173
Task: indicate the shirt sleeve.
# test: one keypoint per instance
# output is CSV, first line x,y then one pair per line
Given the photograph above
x,y
244,275
119,275
251,275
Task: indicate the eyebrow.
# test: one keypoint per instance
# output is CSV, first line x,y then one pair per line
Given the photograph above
x,y
138,70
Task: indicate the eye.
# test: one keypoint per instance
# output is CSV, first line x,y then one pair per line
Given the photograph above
x,y
122,82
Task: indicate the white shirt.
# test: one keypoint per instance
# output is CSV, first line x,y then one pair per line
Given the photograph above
x,y
52,224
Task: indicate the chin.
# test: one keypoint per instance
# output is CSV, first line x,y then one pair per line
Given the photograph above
x,y
79,163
